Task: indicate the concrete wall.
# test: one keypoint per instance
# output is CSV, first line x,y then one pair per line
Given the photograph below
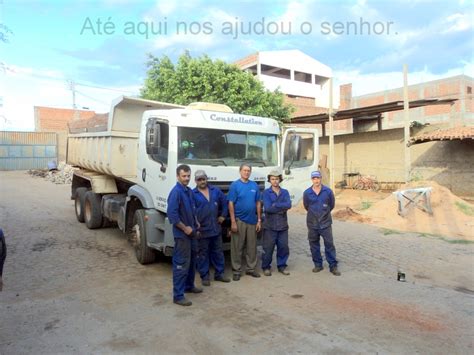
x,y
450,163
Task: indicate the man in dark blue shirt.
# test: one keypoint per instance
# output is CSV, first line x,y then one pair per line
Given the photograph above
x,y
182,215
246,222
319,201
276,201
3,255
211,211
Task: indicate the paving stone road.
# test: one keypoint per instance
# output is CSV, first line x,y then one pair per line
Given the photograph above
x,y
73,290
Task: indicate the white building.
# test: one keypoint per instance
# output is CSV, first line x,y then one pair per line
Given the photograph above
x,y
303,79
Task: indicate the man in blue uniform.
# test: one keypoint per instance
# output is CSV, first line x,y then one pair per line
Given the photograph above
x,y
211,211
276,201
3,255
319,201
182,215
246,222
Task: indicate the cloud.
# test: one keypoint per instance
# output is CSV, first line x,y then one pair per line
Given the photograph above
x,y
457,23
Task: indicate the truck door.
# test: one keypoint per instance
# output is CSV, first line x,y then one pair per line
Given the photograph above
x,y
300,156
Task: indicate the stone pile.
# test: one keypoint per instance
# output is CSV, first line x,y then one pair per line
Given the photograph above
x,y
62,175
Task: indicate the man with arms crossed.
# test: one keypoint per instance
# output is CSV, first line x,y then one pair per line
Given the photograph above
x,y
246,222
211,211
182,215
319,201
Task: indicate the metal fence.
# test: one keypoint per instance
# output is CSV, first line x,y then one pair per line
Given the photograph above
x,y
27,150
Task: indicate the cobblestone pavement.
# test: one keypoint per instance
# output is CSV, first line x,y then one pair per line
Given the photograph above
x,y
73,290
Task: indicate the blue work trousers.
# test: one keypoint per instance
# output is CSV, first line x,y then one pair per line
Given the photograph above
x,y
270,239
210,252
184,259
329,248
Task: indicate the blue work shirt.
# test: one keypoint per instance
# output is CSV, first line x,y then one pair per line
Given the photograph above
x,y
319,207
275,207
181,208
244,195
208,211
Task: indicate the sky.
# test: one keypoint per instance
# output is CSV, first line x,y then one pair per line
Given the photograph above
x,y
101,46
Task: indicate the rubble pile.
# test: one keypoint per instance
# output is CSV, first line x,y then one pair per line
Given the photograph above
x,y
61,175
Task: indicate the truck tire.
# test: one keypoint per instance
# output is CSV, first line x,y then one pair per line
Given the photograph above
x,y
79,199
92,210
145,254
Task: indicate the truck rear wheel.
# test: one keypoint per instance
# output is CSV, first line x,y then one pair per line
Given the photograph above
x,y
144,254
79,198
92,210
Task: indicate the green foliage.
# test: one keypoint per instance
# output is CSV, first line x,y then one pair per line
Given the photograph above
x,y
202,79
366,205
389,231
465,208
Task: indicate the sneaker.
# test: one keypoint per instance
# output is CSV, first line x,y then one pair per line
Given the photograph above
x,y
318,269
335,271
253,273
206,282
283,271
236,277
267,272
222,279
194,290
183,302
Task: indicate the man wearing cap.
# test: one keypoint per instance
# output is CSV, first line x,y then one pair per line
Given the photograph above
x,y
211,211
246,222
319,201
182,215
276,202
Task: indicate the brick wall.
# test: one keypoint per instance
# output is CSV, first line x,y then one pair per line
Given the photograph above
x,y
50,119
247,61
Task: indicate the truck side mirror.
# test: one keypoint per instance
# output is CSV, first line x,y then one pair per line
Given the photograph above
x,y
295,146
152,136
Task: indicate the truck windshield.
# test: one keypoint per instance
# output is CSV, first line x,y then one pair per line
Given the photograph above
x,y
200,146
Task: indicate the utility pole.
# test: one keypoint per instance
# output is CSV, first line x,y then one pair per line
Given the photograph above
x,y
406,114
72,87
331,139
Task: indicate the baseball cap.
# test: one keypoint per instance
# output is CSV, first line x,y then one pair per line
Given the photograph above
x,y
315,174
200,174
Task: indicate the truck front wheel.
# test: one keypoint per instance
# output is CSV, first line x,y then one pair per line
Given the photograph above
x,y
144,254
79,199
92,210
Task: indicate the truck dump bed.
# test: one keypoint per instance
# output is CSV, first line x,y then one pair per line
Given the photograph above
x,y
114,151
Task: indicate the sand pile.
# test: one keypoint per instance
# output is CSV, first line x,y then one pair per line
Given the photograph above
x,y
452,216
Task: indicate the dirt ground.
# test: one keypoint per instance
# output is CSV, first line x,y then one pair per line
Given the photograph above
x,y
452,217
73,290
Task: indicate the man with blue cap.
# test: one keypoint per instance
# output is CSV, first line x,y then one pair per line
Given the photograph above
x,y
319,201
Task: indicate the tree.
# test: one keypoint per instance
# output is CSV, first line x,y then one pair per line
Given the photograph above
x,y
202,79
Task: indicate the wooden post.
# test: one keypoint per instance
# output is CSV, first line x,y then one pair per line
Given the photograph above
x,y
331,139
406,114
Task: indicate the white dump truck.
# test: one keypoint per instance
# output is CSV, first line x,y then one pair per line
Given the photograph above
x,y
127,171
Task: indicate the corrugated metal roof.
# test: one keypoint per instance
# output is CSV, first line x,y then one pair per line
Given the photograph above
x,y
444,134
27,150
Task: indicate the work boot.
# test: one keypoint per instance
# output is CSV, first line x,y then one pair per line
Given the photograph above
x,y
236,277
183,302
335,271
318,269
283,271
221,278
253,273
206,282
267,272
194,290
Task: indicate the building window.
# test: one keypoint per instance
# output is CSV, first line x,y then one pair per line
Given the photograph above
x,y
274,71
469,90
304,77
320,80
